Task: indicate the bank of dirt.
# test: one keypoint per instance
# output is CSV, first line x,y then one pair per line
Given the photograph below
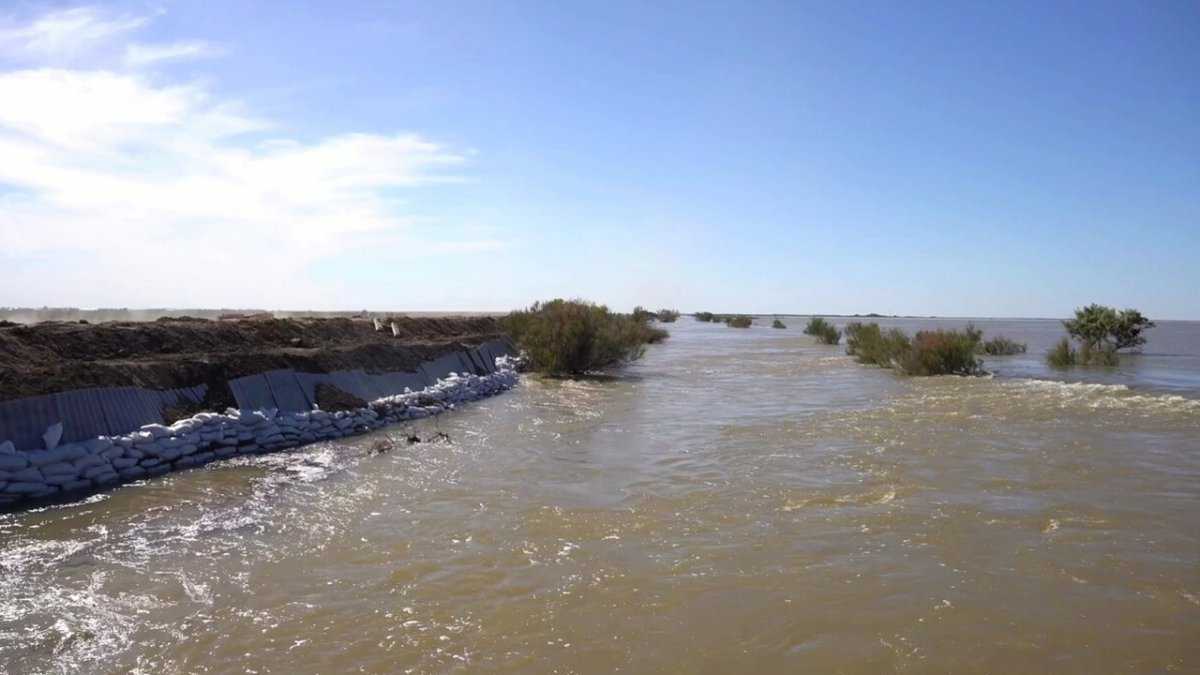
x,y
181,352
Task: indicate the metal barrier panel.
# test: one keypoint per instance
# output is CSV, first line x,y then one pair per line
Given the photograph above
x,y
252,392
82,414
127,408
24,420
286,390
445,364
353,382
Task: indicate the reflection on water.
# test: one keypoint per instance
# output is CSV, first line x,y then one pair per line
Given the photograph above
x,y
740,500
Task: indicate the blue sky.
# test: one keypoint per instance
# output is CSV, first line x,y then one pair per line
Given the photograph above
x,y
968,159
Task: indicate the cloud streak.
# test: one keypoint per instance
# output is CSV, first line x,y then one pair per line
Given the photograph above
x,y
64,34
170,194
143,55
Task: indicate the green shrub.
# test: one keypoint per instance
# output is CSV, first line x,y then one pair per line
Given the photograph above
x,y
707,317
942,352
642,314
668,315
1062,354
1002,346
973,333
574,337
1098,356
1101,332
738,321
932,352
1105,329
825,332
778,324
870,344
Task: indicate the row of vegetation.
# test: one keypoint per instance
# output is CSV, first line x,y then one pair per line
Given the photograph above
x,y
731,320
576,337
663,315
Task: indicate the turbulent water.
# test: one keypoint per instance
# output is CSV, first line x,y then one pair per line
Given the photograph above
x,y
738,501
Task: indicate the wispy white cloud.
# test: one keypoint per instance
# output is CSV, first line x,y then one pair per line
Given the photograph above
x,y
142,55
65,34
172,194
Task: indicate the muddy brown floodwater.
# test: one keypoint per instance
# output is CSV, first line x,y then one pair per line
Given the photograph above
x,y
739,501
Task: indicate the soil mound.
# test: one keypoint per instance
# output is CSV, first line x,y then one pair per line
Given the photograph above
x,y
57,356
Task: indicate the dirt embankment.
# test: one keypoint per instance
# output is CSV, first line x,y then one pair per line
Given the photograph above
x,y
50,357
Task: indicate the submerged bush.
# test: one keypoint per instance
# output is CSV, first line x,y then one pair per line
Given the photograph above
x,y
1101,332
738,321
1062,354
574,337
778,324
825,332
1002,346
668,315
943,352
932,352
1104,355
1105,329
869,344
707,317
642,314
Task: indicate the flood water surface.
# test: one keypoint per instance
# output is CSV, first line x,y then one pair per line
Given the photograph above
x,y
738,501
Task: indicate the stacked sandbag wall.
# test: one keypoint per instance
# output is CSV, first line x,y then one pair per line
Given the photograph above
x,y
29,477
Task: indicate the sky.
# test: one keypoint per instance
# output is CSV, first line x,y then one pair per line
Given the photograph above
x,y
955,159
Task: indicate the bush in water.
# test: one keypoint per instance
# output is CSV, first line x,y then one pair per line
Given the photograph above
x,y
642,314
1105,329
1002,346
778,324
869,344
707,317
824,331
935,352
1062,354
739,321
668,315
942,352
1101,332
574,337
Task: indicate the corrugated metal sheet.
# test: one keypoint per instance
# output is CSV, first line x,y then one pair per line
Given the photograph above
x,y
24,420
287,391
252,392
82,414
127,408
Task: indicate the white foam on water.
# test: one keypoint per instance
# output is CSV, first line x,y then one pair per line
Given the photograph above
x,y
1104,396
